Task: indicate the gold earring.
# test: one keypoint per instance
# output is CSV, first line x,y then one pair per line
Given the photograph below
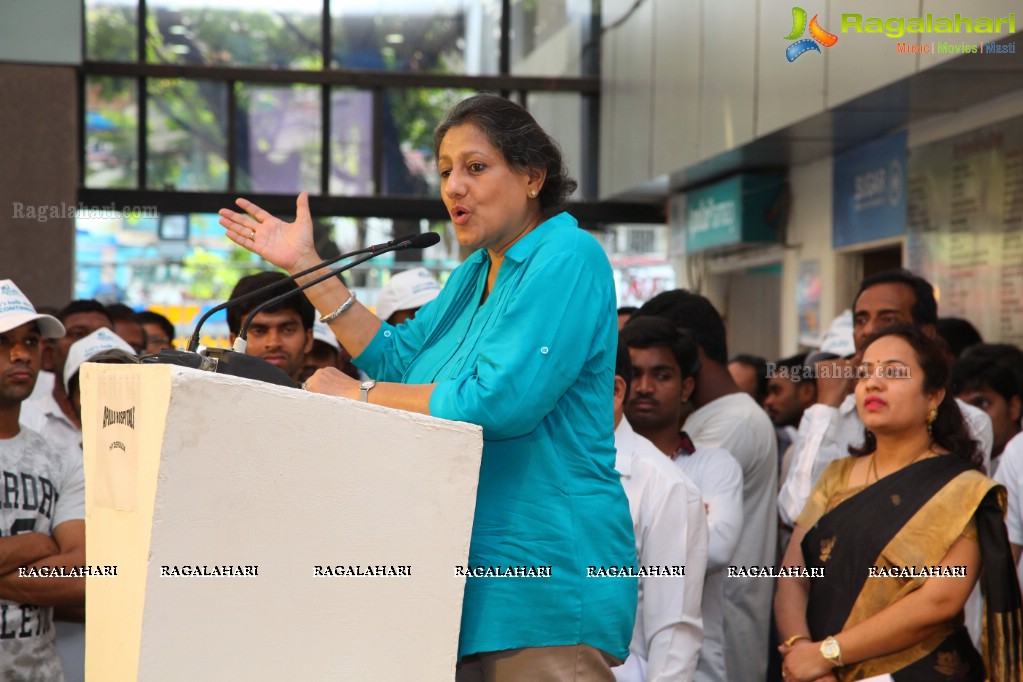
x,y
931,416
532,195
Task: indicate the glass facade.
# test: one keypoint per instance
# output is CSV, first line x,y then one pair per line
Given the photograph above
x,y
186,136
192,102
111,132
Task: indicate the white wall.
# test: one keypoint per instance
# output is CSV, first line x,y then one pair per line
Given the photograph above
x,y
809,230
685,81
809,239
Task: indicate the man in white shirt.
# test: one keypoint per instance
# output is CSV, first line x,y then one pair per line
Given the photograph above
x,y
663,360
50,413
828,428
43,516
62,430
671,531
729,419
1010,474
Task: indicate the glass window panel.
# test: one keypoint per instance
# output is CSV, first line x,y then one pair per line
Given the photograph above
x,y
178,265
186,140
266,33
562,114
554,38
111,132
111,30
351,143
410,117
445,36
279,137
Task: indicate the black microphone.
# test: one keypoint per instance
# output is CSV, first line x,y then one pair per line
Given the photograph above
x,y
419,241
193,342
225,361
222,361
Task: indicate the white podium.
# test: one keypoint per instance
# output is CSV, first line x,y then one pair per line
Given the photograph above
x,y
264,533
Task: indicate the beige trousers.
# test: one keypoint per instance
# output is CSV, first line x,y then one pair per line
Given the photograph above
x,y
574,663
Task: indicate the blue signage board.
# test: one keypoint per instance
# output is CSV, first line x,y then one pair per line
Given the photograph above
x,y
869,192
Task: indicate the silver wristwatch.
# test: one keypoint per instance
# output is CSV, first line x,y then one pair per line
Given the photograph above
x,y
366,386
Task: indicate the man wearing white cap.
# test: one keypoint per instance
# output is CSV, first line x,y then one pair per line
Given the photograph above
x,y
406,293
43,510
82,351
50,412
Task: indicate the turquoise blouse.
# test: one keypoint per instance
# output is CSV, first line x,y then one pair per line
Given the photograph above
x,y
534,366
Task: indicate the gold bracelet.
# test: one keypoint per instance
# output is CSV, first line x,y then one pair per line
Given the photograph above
x,y
327,319
795,638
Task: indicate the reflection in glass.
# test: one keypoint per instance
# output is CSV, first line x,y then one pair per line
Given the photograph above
x,y
351,138
560,114
130,259
186,140
111,124
278,138
350,234
445,36
283,35
111,30
410,117
554,37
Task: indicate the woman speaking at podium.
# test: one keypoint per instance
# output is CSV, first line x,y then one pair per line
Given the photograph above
x,y
521,341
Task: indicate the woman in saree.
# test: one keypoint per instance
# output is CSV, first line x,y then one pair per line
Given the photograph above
x,y
901,531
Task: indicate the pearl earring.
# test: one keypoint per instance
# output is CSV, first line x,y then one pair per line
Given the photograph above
x,y
532,195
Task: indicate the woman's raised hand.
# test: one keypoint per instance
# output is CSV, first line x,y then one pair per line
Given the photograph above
x,y
286,245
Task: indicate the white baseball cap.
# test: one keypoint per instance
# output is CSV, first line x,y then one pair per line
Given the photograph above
x,y
321,332
16,310
409,290
88,347
838,338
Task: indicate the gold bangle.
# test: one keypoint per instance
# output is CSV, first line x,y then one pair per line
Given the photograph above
x,y
795,638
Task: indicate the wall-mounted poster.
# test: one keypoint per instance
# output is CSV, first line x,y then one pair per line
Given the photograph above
x,y
965,215
808,302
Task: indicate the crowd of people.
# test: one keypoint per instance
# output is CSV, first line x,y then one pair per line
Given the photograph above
x,y
851,512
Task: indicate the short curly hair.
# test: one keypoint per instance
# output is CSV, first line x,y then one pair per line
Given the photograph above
x,y
515,133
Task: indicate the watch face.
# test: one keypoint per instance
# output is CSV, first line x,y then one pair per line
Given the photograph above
x,y
366,385
829,648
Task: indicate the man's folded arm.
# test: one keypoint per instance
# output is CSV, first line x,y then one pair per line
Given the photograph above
x,y
65,593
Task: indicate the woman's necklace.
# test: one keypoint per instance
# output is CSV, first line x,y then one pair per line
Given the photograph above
x,y
872,469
